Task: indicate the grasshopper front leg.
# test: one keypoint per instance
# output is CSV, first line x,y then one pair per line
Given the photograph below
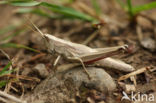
x,y
80,60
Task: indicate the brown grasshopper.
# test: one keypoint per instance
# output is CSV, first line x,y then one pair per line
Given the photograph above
x,y
79,52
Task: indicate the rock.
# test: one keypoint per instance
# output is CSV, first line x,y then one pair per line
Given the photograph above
x,y
41,69
62,87
149,44
100,79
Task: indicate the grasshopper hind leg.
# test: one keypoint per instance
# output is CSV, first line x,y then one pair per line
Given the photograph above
x,y
80,60
85,68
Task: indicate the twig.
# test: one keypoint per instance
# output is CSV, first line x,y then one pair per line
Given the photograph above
x,y
5,54
91,37
4,100
56,61
139,71
36,57
22,77
10,97
16,90
133,79
77,29
139,33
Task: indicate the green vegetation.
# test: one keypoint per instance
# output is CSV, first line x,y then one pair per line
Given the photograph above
x,y
4,40
3,72
14,45
133,10
66,12
96,7
59,12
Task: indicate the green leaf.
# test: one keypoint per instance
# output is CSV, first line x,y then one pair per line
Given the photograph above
x,y
6,72
129,5
96,6
144,7
65,11
7,29
121,4
3,2
24,3
13,35
69,12
5,68
3,83
38,12
14,45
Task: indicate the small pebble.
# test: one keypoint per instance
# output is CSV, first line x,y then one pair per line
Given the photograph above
x,y
149,44
41,69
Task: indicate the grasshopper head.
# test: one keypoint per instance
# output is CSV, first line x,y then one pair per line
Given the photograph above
x,y
48,39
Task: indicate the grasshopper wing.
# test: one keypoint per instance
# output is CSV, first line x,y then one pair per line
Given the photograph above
x,y
101,53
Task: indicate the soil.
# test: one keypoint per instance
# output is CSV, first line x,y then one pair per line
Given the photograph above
x,y
78,31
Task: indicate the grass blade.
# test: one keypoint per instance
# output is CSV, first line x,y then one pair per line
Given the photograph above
x,y
144,7
24,3
129,5
7,29
6,72
38,12
96,6
3,83
12,35
3,2
121,4
14,45
5,68
65,11
69,12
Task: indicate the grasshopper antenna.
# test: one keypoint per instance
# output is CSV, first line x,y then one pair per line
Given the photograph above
x,y
36,27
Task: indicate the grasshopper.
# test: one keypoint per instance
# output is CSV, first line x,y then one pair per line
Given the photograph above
x,y
78,52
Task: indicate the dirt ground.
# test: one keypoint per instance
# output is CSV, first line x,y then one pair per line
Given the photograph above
x,y
141,34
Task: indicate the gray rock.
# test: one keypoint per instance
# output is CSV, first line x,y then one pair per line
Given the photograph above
x,y
100,79
63,87
41,69
149,44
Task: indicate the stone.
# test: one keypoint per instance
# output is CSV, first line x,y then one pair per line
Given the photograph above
x,y
62,87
